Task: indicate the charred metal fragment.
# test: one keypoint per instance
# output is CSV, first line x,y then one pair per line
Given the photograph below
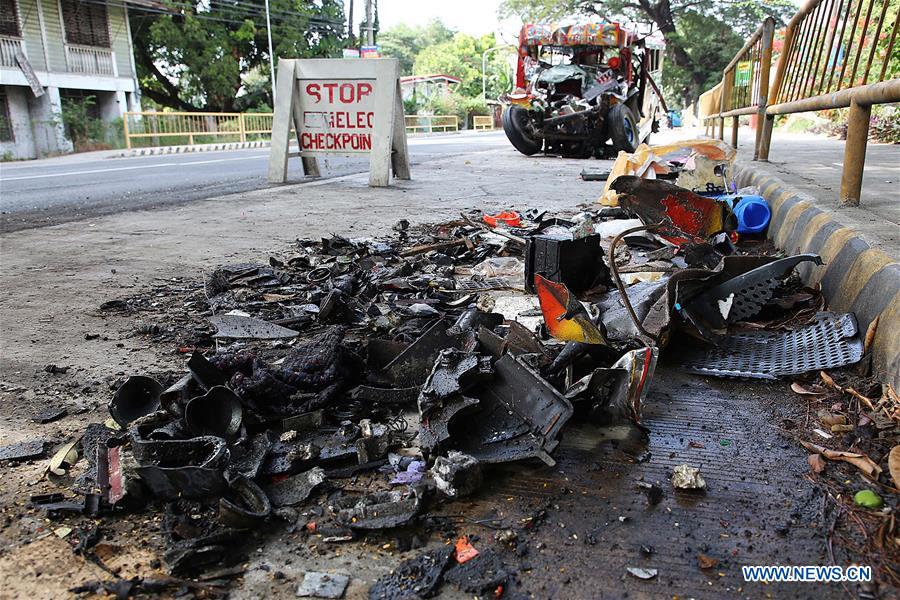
x,y
216,413
417,577
381,510
245,505
137,397
239,327
296,488
412,366
207,374
184,468
685,217
456,474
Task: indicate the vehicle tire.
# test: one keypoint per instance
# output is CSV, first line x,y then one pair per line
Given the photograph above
x,y
623,128
515,124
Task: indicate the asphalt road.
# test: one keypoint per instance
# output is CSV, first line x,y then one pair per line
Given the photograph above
x,y
51,191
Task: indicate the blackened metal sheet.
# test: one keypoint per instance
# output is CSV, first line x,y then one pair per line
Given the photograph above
x,y
240,327
830,341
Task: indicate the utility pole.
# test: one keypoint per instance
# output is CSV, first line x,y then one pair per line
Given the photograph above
x,y
351,25
271,54
370,26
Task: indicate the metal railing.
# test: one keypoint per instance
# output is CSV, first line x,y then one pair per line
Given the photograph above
x,y
431,123
189,128
482,123
8,48
830,48
88,59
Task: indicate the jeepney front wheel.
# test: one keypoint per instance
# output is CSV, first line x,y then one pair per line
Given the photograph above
x,y
623,128
518,127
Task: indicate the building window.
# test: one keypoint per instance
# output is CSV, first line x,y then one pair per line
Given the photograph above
x,y
6,132
85,23
9,20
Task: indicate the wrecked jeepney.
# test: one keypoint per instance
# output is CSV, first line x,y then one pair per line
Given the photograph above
x,y
580,85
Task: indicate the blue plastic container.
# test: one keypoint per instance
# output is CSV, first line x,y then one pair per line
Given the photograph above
x,y
752,212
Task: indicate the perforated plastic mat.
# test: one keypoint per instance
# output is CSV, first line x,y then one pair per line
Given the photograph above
x,y
830,341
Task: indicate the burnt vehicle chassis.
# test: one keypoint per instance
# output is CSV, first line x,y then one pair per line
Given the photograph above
x,y
573,109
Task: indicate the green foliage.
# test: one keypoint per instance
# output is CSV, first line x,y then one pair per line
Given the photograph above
x,y
196,60
404,42
86,131
462,57
455,104
699,34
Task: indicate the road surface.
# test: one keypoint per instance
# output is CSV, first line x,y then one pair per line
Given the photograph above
x,y
59,190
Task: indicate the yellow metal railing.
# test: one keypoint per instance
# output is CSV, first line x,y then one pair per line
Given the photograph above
x,y
830,59
482,123
190,128
431,123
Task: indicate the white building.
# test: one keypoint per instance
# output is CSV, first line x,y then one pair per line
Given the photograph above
x,y
55,49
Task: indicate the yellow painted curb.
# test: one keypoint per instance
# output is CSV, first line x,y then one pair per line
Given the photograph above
x,y
857,276
834,244
787,223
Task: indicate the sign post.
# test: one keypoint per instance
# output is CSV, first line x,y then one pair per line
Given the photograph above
x,y
340,106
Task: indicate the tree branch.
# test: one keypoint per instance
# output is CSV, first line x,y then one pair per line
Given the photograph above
x,y
171,96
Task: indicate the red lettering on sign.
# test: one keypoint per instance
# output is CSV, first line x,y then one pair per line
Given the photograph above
x,y
330,87
347,93
363,90
313,90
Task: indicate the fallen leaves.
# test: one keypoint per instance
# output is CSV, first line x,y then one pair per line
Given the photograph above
x,y
860,461
707,562
816,463
799,389
894,465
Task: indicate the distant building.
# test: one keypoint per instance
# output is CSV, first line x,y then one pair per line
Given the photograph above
x,y
423,87
56,49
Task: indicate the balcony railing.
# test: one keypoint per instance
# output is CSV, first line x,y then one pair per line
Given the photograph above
x,y
8,48
87,59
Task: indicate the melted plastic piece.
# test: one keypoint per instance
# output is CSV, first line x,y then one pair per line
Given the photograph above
x,y
565,317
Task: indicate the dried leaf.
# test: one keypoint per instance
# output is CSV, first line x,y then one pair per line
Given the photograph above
x,y
894,465
799,389
67,455
816,463
861,398
829,381
860,461
707,562
870,334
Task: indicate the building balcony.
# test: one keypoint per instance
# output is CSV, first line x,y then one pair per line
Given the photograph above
x,y
8,48
90,60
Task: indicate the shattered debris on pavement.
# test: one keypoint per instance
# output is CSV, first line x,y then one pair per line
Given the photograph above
x,y
373,380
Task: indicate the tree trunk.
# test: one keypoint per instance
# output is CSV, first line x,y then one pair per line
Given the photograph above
x,y
661,14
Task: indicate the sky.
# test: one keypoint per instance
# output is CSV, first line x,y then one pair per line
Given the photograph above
x,y
475,17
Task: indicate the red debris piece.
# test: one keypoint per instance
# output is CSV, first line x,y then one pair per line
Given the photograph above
x,y
464,550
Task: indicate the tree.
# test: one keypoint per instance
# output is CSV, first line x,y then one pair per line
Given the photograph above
x,y
699,34
198,57
461,57
404,42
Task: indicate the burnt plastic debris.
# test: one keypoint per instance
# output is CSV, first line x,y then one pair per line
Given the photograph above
x,y
137,397
577,263
415,578
367,383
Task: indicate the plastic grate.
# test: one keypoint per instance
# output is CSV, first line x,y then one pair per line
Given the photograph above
x,y
830,341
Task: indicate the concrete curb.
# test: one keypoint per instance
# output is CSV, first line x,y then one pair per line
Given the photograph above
x,y
160,150
855,277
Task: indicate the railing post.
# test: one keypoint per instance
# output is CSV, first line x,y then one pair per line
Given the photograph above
x,y
855,153
765,67
127,137
734,131
242,127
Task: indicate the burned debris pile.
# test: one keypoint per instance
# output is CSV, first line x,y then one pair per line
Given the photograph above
x,y
421,359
